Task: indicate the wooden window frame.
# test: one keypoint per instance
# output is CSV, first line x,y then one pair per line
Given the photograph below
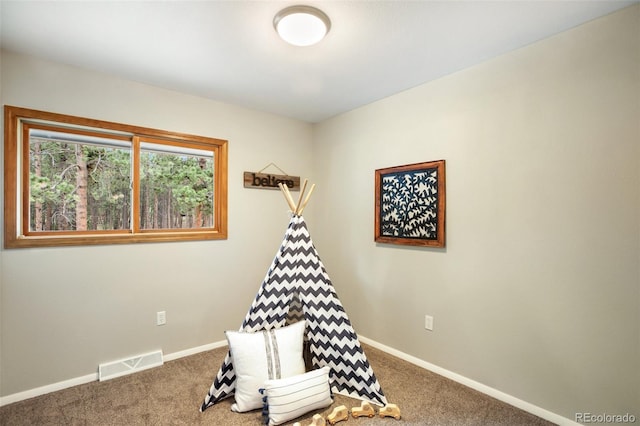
x,y
16,219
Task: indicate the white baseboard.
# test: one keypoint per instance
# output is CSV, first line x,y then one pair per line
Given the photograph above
x,y
499,395
196,350
32,393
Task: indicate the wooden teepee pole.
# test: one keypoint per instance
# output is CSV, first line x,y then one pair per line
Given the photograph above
x,y
304,188
290,198
287,196
306,200
299,207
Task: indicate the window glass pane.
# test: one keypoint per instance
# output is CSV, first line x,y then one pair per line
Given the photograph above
x,y
71,181
78,183
176,187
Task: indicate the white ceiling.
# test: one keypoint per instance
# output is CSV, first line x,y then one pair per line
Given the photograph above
x,y
229,51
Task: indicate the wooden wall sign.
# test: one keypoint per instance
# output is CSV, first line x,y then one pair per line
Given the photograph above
x,y
270,181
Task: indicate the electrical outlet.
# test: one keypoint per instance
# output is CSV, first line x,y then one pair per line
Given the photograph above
x,y
161,318
428,322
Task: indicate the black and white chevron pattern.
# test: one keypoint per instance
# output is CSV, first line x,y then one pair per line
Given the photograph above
x,y
296,288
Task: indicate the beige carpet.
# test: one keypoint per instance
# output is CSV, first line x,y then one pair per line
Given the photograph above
x,y
172,394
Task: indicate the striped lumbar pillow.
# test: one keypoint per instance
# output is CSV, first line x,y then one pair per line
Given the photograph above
x,y
263,355
286,399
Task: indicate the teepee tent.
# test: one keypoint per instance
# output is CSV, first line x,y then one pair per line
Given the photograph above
x,y
297,288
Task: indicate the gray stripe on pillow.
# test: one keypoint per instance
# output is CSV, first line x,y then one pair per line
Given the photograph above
x,y
276,354
268,353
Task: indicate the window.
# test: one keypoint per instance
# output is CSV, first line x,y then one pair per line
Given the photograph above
x,y
78,181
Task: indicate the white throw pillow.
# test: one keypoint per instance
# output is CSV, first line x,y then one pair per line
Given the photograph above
x,y
263,355
292,397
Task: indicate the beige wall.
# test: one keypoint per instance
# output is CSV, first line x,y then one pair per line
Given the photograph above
x,y
537,293
65,310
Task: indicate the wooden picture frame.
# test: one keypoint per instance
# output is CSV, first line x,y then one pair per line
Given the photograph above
x,y
410,204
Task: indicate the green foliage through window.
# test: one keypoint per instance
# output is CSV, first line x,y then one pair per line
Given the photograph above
x,y
176,189
71,181
77,186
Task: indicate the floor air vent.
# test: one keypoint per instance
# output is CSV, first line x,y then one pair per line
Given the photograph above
x,y
111,370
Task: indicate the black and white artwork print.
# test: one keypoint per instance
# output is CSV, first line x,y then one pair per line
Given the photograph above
x,y
409,204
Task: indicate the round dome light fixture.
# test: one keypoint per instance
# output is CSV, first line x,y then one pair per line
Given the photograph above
x,y
301,25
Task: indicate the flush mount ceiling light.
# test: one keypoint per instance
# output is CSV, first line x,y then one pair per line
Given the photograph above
x,y
301,25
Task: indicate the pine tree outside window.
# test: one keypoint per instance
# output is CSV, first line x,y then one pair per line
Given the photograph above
x,y
77,181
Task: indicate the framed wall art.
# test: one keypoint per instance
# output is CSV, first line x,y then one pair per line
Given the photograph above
x,y
410,204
